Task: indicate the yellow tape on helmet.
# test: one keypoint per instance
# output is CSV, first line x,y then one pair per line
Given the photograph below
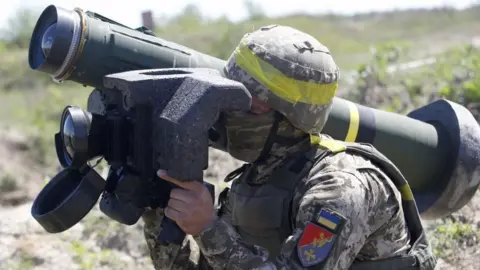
x,y
287,88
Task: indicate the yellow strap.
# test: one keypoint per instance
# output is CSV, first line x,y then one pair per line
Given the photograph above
x,y
354,122
338,146
332,145
406,192
287,88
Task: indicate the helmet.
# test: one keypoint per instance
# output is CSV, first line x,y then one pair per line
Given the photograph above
x,y
290,71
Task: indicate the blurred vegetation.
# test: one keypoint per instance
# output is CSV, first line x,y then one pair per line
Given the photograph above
x,y
348,37
452,74
365,46
452,235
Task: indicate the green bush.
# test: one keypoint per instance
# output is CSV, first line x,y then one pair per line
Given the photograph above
x,y
453,75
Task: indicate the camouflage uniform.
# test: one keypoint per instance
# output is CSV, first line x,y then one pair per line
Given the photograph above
x,y
347,188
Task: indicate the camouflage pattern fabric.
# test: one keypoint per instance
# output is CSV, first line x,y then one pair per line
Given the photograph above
x,y
349,184
248,132
295,55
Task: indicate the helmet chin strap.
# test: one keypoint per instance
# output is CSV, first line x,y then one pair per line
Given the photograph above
x,y
267,147
273,137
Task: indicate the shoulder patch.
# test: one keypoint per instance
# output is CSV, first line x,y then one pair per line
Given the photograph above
x,y
318,237
330,220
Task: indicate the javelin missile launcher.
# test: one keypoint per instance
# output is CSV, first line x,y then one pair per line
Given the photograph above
x,y
436,147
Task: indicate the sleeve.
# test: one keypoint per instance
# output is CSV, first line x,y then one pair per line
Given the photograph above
x,y
331,227
186,256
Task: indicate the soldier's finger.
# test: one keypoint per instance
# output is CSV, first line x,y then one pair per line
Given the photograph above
x,y
190,185
163,174
178,205
173,214
186,228
182,195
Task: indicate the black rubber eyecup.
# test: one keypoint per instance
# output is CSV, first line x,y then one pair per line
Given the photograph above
x,y
67,199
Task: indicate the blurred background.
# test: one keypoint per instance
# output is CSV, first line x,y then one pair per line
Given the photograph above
x,y
394,55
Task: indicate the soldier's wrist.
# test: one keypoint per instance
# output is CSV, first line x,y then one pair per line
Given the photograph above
x,y
208,230
212,240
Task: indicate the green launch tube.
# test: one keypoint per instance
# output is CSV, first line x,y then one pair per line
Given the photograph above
x,y
84,47
436,147
402,136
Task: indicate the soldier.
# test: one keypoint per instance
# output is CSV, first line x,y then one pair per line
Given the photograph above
x,y
302,200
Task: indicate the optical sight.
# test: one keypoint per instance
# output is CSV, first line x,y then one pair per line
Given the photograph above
x,y
141,121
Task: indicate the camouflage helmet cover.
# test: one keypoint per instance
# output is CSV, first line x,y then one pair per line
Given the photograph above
x,y
290,71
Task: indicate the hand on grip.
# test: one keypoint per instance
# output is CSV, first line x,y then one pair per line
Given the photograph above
x,y
190,209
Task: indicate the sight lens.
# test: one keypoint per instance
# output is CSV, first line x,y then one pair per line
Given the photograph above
x,y
55,41
47,39
69,136
71,142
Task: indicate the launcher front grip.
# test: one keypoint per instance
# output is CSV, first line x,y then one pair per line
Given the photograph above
x,y
170,232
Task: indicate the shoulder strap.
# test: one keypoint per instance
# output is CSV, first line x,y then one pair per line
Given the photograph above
x,y
420,255
409,205
404,263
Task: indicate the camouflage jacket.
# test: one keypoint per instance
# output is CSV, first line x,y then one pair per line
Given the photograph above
x,y
374,227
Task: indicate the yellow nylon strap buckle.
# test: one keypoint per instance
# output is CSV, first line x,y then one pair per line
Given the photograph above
x,y
333,145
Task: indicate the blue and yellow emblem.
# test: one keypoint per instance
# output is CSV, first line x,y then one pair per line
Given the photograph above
x,y
318,237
